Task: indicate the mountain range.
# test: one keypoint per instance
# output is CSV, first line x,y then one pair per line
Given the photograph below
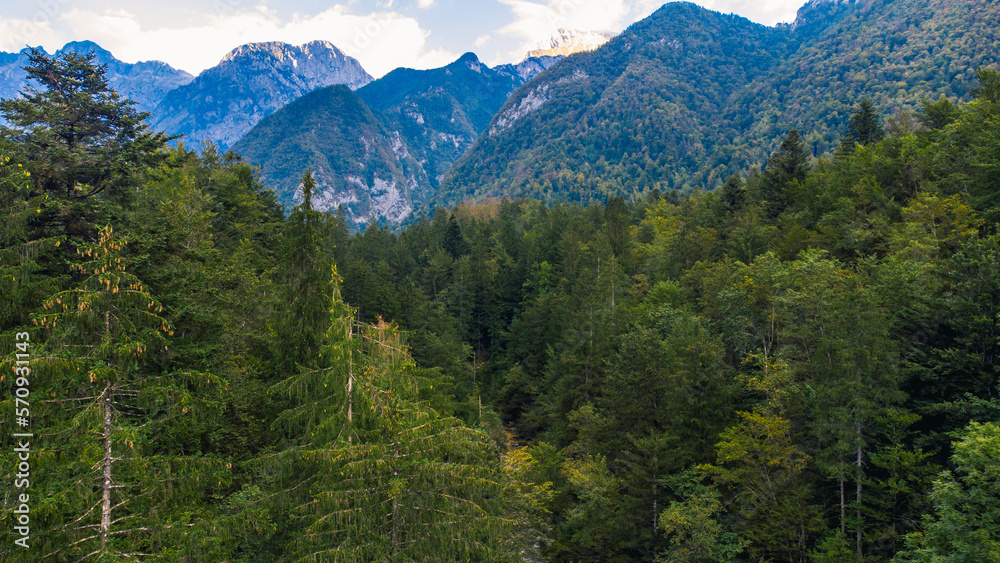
x,y
222,103
435,114
687,97
250,83
680,100
146,83
381,151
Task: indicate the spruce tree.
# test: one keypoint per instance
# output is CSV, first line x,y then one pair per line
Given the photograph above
x,y
304,282
375,475
117,474
80,140
788,166
864,128
733,193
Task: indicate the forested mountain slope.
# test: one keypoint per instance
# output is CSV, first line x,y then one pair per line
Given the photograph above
x,y
687,97
440,112
358,163
392,144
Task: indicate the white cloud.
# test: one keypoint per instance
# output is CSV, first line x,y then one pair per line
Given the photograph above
x,y
194,35
380,41
16,34
767,12
535,21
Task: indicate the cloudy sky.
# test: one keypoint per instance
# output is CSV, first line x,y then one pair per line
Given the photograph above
x,y
383,34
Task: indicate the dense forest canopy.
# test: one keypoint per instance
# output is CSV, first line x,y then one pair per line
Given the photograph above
x,y
800,365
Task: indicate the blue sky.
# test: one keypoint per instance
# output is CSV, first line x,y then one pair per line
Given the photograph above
x,y
382,34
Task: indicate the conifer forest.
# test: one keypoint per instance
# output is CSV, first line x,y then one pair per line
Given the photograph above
x,y
800,364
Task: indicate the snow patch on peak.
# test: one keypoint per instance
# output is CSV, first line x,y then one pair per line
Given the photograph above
x,y
565,42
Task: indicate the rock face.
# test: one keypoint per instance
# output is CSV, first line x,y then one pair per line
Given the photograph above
x,y
145,82
565,42
530,67
251,82
817,15
356,161
380,152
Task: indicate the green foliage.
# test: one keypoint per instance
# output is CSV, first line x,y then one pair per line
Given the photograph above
x,y
965,522
777,371
124,472
25,276
694,528
377,476
79,140
937,115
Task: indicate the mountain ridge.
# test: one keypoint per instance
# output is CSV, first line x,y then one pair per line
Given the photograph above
x,y
565,42
144,82
687,97
414,125
252,81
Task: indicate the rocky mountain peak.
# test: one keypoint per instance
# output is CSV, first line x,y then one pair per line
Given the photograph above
x,y
321,45
275,49
314,64
816,15
472,61
280,50
565,42
251,82
146,83
86,48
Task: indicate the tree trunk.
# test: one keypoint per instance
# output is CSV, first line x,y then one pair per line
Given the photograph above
x,y
394,534
106,473
858,493
843,516
350,374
